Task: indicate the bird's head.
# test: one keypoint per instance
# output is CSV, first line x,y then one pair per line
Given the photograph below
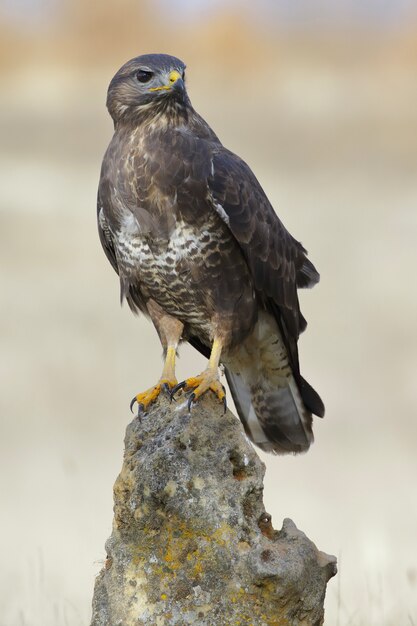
x,y
147,84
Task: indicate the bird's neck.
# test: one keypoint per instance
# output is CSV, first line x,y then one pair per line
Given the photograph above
x,y
157,116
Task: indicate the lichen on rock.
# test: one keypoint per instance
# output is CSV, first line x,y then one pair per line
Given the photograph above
x,y
191,541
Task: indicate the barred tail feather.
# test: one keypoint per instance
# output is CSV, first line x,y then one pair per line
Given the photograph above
x,y
275,420
275,408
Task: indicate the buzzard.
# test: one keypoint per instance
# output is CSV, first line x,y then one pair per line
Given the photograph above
x,y
199,249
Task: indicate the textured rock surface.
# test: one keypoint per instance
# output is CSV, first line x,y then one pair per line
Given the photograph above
x,y
191,541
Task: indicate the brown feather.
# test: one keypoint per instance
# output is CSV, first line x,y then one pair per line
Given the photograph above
x,y
185,222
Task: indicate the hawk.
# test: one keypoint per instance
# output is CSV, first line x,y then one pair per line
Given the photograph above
x,y
199,249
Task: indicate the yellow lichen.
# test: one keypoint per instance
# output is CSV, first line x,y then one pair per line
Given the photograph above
x,y
179,546
198,568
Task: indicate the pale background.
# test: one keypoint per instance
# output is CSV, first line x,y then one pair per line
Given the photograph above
x,y
320,98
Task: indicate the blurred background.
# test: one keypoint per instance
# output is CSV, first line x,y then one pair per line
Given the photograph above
x,y
320,98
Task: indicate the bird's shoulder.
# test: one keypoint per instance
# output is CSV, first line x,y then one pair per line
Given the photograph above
x,y
251,216
277,261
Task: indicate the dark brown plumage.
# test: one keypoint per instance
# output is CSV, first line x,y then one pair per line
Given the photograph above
x,y
199,248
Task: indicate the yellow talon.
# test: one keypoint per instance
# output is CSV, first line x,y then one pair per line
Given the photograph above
x,y
201,384
149,396
207,381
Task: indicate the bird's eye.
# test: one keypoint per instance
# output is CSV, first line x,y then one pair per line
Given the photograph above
x,y
144,76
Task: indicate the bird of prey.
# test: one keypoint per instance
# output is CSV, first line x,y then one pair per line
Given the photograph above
x,y
199,249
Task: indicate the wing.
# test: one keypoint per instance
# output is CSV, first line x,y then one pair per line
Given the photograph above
x,y
105,235
130,292
278,262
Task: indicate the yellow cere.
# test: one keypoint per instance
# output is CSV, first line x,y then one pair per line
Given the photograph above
x,y
173,77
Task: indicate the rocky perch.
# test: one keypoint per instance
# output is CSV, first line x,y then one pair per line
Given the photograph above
x,y
191,541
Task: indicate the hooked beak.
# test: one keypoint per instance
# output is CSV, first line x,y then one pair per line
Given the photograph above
x,y
174,80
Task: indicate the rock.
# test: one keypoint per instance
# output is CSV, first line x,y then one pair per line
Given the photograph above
x,y
191,541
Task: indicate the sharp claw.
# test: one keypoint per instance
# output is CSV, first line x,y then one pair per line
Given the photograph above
x,y
141,407
177,388
190,401
132,403
169,391
224,404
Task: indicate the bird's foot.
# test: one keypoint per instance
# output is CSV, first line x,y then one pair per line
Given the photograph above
x,y
146,398
196,386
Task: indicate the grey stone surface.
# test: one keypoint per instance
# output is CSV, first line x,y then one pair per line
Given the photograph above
x,y
191,541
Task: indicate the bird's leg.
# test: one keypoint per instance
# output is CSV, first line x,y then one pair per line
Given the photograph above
x,y
207,380
169,331
167,382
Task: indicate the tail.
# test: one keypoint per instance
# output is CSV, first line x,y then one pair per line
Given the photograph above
x,y
274,403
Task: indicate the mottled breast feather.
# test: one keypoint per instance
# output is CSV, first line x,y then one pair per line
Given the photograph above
x,y
185,222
